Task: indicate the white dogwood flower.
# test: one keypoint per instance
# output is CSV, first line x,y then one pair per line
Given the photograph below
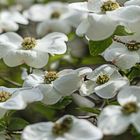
x,y
115,120
105,81
9,20
55,85
124,55
103,17
66,128
57,18
16,50
17,99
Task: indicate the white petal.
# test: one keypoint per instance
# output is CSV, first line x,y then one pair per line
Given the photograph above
x,y
82,101
127,61
33,80
53,43
110,89
101,27
132,2
95,5
36,13
36,59
87,88
30,57
17,17
55,36
53,26
81,6
11,38
125,14
39,131
114,51
83,130
103,69
121,56
76,17
13,59
112,122
51,96
15,103
8,25
83,71
83,27
129,94
65,72
14,16
30,95
136,121
21,98
10,90
67,84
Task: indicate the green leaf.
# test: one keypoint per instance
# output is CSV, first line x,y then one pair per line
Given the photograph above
x,y
2,124
91,110
16,124
97,47
44,110
93,60
122,31
62,103
135,72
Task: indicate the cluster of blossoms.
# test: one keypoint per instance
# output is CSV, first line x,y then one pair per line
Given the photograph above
x,y
97,20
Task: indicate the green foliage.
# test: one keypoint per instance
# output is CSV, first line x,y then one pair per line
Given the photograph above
x,y
93,60
16,124
2,124
90,110
122,31
62,103
97,47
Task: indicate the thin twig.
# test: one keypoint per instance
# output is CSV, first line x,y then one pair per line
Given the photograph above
x,y
10,81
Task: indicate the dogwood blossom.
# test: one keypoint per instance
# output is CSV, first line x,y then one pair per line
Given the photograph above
x,y
105,81
124,55
15,50
55,85
103,17
66,128
17,99
9,20
57,18
120,117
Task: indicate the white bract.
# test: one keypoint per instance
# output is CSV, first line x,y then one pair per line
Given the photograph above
x,y
55,85
55,17
115,120
105,81
66,128
9,20
15,50
124,55
103,17
17,99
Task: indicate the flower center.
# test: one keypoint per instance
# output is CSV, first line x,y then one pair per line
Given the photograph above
x,y
55,15
133,46
28,43
4,96
109,6
102,79
50,77
129,108
60,128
